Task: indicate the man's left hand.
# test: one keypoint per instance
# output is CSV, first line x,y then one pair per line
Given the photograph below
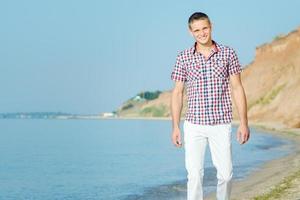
x,y
243,134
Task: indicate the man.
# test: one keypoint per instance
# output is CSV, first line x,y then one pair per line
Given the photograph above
x,y
207,69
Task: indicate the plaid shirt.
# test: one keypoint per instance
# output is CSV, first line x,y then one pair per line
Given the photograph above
x,y
207,81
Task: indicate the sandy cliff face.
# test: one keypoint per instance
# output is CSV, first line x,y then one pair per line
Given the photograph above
x,y
271,82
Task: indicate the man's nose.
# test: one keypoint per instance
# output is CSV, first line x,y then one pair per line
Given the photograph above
x,y
202,33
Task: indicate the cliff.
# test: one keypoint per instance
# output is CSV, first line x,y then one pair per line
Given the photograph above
x,y
272,81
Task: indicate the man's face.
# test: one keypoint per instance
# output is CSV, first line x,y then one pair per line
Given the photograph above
x,y
201,31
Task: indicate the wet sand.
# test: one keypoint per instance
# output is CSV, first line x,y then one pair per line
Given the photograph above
x,y
269,179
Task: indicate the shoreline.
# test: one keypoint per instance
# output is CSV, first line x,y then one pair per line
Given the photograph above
x,y
276,179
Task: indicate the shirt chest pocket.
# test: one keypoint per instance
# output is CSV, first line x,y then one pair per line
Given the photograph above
x,y
220,68
195,71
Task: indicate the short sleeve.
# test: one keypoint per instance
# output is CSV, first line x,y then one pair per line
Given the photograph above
x,y
179,71
234,65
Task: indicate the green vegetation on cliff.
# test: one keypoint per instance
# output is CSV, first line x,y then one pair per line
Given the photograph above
x,y
154,111
267,98
149,95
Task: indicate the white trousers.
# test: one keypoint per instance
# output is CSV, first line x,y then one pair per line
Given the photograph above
x,y
219,139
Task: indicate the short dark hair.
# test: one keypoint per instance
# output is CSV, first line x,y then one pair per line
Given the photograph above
x,y
197,16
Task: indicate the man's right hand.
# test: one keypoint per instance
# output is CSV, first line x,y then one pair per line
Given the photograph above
x,y
176,137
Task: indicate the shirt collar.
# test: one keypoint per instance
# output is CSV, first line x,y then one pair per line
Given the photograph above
x,y
215,45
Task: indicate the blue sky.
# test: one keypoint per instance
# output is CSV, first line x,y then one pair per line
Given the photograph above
x,y
90,56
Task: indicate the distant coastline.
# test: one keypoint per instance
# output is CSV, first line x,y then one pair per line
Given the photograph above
x,y
47,115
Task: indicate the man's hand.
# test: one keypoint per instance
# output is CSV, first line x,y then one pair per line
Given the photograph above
x,y
243,134
176,137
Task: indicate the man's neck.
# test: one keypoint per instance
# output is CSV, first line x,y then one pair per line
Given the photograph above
x,y
204,47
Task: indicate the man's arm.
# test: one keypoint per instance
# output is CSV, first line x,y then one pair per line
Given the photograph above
x,y
176,107
240,101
